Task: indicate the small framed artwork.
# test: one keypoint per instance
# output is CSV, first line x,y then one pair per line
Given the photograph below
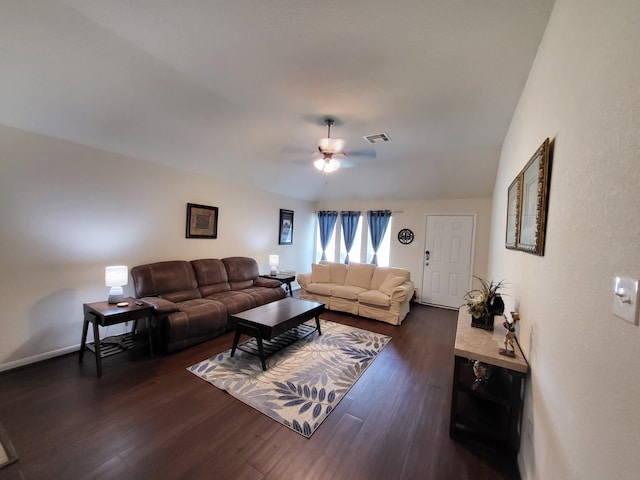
x,y
513,213
285,236
533,203
202,221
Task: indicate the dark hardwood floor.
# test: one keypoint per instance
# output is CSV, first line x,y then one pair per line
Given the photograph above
x,y
148,418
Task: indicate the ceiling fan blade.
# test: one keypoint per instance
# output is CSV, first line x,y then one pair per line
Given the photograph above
x,y
294,150
346,163
361,153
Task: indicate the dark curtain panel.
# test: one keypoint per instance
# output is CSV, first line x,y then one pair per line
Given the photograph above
x,y
326,222
378,222
349,227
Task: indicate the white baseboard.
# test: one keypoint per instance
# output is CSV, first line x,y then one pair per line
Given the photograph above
x,y
38,358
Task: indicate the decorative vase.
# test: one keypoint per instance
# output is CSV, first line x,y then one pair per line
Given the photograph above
x,y
497,307
485,322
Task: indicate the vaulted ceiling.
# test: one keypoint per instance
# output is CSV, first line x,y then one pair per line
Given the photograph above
x,y
239,89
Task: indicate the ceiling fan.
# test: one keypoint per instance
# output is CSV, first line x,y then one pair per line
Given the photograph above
x,y
331,149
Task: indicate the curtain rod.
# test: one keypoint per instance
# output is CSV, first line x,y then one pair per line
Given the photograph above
x,y
392,211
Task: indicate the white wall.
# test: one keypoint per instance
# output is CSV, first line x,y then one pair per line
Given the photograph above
x,y
412,215
67,211
584,389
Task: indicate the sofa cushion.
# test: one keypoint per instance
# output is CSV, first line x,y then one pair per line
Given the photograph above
x,y
172,280
348,292
320,273
390,283
359,275
211,276
375,297
182,296
241,271
234,301
381,273
197,320
337,271
321,288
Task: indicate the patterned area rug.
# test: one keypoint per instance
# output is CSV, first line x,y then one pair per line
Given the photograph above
x,y
304,381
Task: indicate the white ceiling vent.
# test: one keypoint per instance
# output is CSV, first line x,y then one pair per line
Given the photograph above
x,y
378,138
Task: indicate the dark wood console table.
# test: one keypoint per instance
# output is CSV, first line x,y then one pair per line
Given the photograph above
x,y
486,413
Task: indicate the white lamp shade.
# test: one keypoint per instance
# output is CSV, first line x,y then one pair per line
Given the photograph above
x,y
115,277
274,261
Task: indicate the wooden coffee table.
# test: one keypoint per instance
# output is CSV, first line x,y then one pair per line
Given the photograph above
x,y
269,321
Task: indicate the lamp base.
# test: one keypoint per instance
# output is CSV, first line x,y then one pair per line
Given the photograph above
x,y
116,295
274,271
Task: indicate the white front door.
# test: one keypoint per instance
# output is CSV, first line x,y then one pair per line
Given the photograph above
x,y
447,259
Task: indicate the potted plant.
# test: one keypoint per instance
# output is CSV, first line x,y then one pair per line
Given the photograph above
x,y
485,302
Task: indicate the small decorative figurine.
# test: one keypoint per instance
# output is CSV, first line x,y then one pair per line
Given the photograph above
x,y
510,336
482,371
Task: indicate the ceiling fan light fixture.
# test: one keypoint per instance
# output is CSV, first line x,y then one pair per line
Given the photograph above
x,y
331,145
327,164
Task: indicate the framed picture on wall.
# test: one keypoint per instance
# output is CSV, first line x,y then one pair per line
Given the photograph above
x,y
534,180
202,221
285,236
513,213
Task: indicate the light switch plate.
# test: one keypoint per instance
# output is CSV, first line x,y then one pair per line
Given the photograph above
x,y
625,299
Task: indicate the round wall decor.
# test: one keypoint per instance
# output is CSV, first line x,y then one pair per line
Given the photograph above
x,y
405,236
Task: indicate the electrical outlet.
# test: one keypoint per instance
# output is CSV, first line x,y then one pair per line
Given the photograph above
x,y
625,299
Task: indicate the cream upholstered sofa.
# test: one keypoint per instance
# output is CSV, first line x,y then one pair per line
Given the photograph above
x,y
381,293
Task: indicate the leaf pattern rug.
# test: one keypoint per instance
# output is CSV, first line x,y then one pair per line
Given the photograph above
x,y
303,382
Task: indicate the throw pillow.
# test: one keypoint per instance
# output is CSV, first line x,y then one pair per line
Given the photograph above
x,y
320,273
390,283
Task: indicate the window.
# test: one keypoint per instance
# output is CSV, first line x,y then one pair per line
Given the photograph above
x,y
336,249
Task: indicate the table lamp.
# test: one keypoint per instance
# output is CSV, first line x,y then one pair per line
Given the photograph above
x,y
115,277
274,261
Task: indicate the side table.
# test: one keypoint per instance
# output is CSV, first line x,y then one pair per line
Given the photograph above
x,y
282,278
104,314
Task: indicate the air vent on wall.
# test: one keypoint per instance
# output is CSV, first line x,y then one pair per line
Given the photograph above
x,y
378,138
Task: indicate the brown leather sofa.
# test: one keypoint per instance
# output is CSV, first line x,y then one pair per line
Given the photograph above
x,y
192,300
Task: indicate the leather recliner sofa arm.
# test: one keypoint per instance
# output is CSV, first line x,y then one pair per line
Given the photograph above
x,y
266,282
160,305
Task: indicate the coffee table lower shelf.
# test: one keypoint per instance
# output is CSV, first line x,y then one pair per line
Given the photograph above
x,y
276,344
275,325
